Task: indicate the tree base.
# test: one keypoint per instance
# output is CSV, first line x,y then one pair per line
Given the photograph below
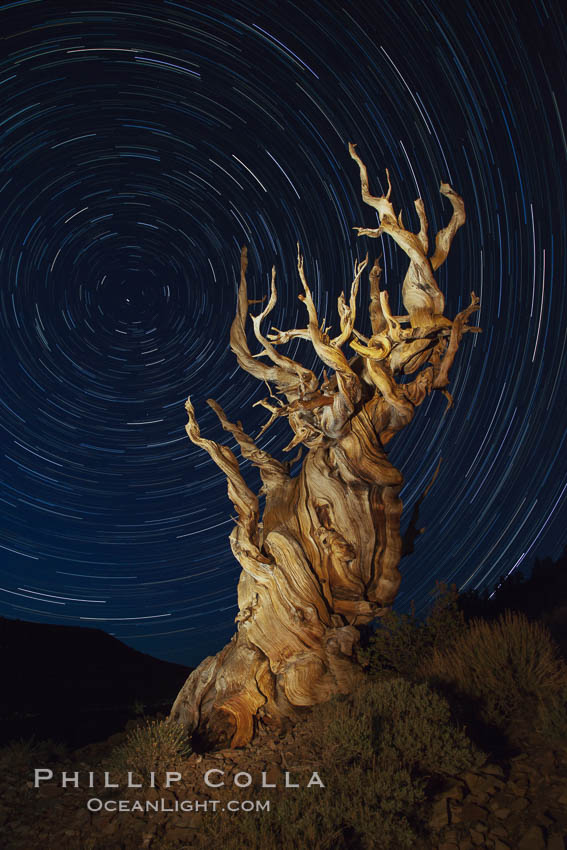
x,y
230,695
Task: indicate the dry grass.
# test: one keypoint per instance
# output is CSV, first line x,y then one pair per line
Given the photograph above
x,y
155,745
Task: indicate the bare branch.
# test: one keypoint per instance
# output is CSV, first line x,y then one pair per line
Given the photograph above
x,y
330,355
286,379
377,319
275,411
445,237
424,224
377,348
245,536
348,314
459,322
380,344
422,297
412,531
348,382
305,379
272,471
411,243
278,337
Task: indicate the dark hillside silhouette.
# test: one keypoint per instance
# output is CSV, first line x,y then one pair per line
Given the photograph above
x,y
76,684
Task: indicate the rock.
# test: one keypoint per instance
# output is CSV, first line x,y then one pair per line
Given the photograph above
x,y
519,805
502,813
482,784
498,831
523,768
555,842
560,818
455,811
492,769
532,840
500,845
479,798
153,794
455,792
51,790
518,787
547,760
472,812
501,799
109,828
478,838
439,814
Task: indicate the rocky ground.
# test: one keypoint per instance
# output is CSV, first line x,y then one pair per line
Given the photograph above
x,y
520,804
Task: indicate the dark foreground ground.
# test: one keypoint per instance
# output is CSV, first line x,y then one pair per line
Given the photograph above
x,y
517,803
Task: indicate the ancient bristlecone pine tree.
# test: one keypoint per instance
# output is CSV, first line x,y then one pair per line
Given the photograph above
x,y
323,559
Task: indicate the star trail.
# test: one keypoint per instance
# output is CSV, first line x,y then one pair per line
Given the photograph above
x,y
142,143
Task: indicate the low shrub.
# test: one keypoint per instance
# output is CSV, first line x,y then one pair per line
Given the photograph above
x,y
367,807
511,667
396,646
25,752
551,723
401,642
409,718
155,745
417,722
377,751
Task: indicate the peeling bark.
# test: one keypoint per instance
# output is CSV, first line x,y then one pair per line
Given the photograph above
x,y
323,558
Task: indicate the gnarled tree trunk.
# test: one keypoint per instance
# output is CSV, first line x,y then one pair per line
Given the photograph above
x,y
324,558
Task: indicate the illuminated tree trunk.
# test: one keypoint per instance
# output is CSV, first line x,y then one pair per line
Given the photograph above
x,y
323,559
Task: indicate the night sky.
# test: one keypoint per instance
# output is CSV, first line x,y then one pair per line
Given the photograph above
x,y
142,144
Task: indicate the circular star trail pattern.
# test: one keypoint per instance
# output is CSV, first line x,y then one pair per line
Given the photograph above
x,y
142,144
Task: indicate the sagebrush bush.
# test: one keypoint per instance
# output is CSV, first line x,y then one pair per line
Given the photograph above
x,y
416,721
401,642
551,722
366,807
410,718
156,745
445,621
376,750
510,666
396,646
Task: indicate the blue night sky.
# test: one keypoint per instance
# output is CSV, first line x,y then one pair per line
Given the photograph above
x,y
142,143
